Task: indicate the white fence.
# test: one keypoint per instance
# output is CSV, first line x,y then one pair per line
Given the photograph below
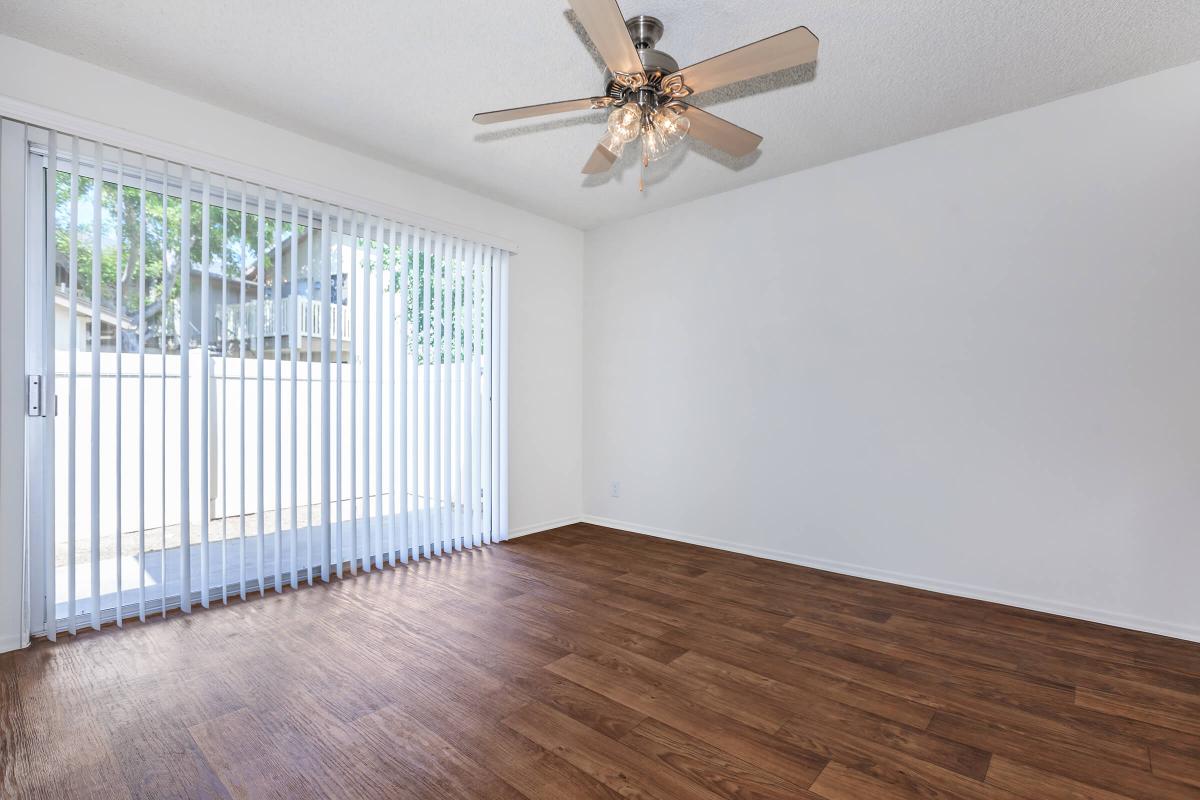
x,y
232,428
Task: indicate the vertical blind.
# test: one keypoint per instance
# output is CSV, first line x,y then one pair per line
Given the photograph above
x,y
256,388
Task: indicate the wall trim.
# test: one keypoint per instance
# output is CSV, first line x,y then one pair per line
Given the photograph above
x,y
12,642
1102,616
544,526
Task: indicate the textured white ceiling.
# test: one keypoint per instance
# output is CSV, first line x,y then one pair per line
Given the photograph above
x,y
400,80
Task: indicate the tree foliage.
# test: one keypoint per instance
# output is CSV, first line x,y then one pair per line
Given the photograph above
x,y
140,255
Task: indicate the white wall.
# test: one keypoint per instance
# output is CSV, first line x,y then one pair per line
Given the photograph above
x,y
968,362
545,284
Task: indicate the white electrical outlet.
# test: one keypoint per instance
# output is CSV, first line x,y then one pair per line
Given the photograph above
x,y
614,488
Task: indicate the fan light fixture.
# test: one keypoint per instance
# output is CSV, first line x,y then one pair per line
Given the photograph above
x,y
646,88
660,129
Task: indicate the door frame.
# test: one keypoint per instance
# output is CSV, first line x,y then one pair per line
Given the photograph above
x,y
15,591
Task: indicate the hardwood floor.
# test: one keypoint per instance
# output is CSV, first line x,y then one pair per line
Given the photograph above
x,y
590,663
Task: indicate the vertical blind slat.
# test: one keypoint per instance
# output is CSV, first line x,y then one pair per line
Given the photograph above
x,y
465,407
340,308
443,428
365,414
494,366
427,416
50,551
355,316
185,347
417,405
417,303
243,343
486,436
402,410
162,360
72,382
142,389
454,433
277,383
434,322
380,262
293,346
326,321
391,384
477,445
447,392
260,343
308,354
224,412
97,232
500,398
119,333
205,243
469,447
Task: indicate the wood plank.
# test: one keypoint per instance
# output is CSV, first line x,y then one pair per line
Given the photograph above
x,y
839,782
1035,783
626,771
719,772
1069,759
887,762
966,760
552,618
794,685
422,763
750,708
959,693
773,755
473,725
1176,764
244,756
1179,716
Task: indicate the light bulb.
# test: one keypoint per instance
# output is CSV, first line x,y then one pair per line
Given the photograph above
x,y
672,122
612,144
654,144
668,127
625,123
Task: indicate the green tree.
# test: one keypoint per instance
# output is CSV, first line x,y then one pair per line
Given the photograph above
x,y
121,245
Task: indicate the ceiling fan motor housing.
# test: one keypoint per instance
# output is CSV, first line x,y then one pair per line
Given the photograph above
x,y
645,31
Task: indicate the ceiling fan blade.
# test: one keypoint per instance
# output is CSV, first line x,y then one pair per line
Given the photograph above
x,y
601,160
720,133
604,23
781,51
524,112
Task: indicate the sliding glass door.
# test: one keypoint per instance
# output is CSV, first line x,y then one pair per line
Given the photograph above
x,y
245,388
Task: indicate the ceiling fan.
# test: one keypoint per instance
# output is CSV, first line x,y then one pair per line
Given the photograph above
x,y
646,88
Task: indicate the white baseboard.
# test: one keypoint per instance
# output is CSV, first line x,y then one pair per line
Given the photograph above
x,y
1104,617
11,642
543,526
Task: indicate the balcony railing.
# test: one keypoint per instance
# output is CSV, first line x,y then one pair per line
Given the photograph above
x,y
281,316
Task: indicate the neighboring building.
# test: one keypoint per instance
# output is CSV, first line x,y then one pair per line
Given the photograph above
x,y
227,314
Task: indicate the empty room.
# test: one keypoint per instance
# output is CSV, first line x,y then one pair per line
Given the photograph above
x,y
558,399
